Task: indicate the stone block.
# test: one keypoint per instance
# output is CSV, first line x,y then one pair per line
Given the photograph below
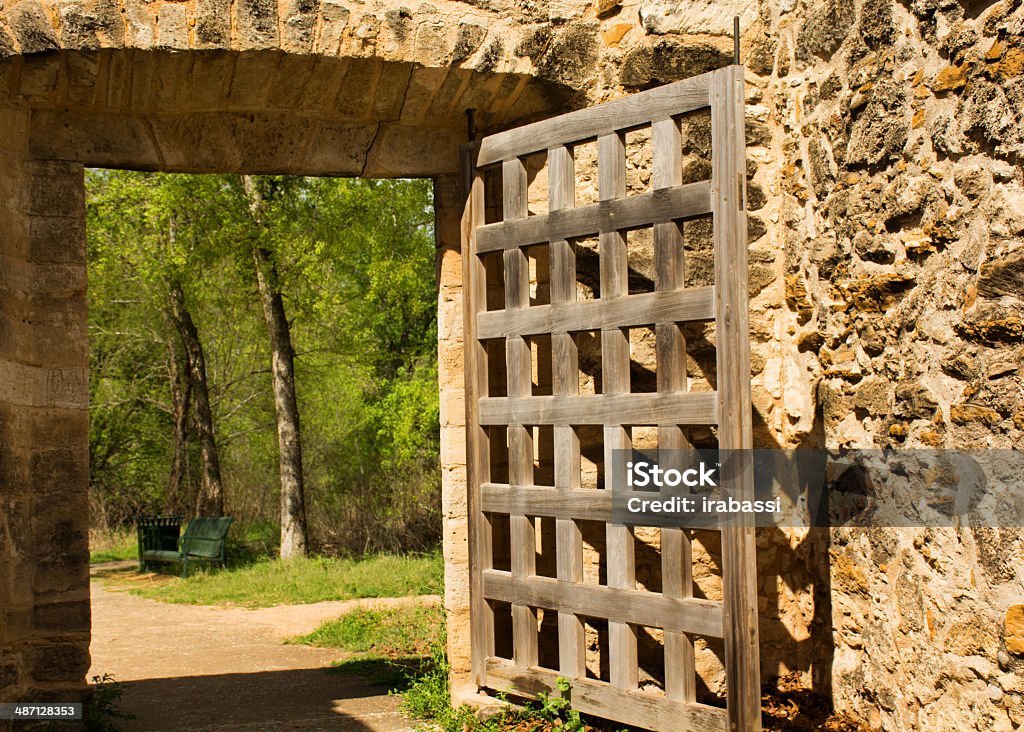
x,y
55,239
449,321
713,17
298,25
90,24
16,624
31,26
453,446
257,24
62,617
58,662
172,27
335,19
450,267
250,80
453,409
212,23
451,366
40,78
140,23
338,148
42,287
453,492
1013,629
95,139
390,90
10,676
54,189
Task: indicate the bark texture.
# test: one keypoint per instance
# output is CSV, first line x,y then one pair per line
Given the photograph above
x,y
181,397
210,501
286,407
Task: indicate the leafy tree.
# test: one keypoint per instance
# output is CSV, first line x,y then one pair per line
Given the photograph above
x,y
353,269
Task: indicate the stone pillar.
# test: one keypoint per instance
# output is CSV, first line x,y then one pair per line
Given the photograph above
x,y
451,382
44,554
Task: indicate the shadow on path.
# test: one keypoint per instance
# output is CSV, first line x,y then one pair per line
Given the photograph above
x,y
299,699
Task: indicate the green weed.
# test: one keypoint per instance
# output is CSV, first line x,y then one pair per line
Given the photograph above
x,y
102,713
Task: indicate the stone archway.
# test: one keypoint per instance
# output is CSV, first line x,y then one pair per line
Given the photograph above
x,y
198,87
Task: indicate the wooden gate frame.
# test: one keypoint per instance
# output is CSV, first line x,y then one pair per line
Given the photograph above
x,y
675,609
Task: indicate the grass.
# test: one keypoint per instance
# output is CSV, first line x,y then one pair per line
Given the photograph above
x,y
298,581
389,632
113,546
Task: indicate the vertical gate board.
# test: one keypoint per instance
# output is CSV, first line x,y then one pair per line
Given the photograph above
x,y
474,294
572,661
625,607
739,560
670,349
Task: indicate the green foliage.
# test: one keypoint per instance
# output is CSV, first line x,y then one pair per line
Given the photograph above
x,y
296,581
428,698
390,632
558,709
102,713
356,263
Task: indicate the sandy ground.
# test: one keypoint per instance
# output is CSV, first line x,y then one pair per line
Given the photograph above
x,y
187,667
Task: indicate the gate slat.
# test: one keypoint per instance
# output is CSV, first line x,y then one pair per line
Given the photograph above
x,y
739,561
670,348
518,359
477,441
583,505
594,697
696,408
681,202
672,99
620,549
694,304
619,605
572,653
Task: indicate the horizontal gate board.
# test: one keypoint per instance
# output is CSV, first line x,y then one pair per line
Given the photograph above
x,y
694,408
644,209
598,698
666,101
697,303
685,615
586,504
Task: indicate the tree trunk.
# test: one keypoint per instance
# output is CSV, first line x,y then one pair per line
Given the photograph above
x,y
293,502
181,397
210,501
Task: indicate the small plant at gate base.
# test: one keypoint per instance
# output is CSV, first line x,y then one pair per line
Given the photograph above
x,y
103,714
558,709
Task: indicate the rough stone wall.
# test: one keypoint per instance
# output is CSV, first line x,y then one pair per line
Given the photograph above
x,y
44,582
894,199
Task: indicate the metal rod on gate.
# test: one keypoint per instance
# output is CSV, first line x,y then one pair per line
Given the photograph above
x,y
736,39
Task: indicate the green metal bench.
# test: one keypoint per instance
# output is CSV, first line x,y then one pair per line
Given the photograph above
x,y
203,541
157,533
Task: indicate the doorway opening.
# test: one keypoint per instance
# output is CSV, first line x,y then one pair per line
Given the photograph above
x,y
262,348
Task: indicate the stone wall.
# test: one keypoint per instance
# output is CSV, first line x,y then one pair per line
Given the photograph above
x,y
896,206
885,195
44,578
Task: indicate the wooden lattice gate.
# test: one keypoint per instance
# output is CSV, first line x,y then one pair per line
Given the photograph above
x,y
507,413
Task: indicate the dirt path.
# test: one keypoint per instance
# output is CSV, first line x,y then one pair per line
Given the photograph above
x,y
209,668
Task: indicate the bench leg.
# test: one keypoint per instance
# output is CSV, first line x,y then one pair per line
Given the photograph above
x,y
184,568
